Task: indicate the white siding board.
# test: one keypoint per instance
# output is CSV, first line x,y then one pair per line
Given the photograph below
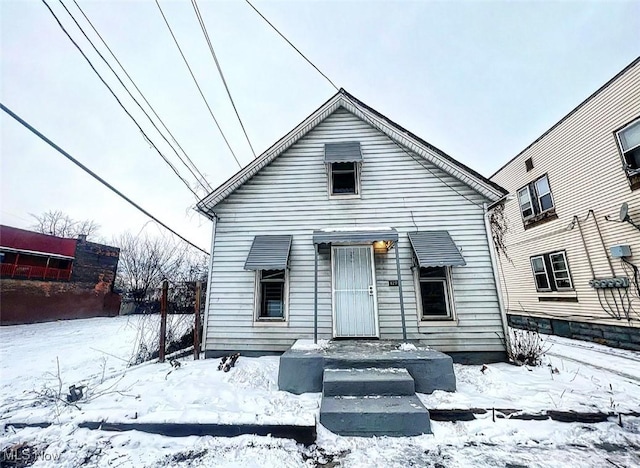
x,y
395,191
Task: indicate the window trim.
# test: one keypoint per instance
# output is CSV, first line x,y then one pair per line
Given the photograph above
x,y
538,214
550,273
553,270
535,185
357,175
633,175
257,301
438,320
546,273
533,212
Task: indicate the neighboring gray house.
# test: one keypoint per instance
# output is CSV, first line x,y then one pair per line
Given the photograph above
x,y
350,226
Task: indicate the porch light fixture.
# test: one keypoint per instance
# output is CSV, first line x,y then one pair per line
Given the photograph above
x,y
380,246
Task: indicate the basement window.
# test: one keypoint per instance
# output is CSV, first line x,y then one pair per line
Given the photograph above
x,y
271,295
434,297
344,179
536,201
551,272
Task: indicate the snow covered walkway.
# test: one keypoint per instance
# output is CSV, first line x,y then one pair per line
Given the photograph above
x,y
575,376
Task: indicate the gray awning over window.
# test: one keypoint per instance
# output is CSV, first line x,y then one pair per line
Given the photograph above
x,y
342,152
435,249
328,236
269,253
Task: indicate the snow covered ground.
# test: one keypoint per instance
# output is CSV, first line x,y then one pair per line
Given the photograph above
x,y
95,352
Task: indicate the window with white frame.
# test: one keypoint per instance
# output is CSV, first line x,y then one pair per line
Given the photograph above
x,y
344,178
551,272
535,198
560,270
434,294
540,273
271,294
629,142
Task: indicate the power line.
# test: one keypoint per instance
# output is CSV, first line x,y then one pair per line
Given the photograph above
x,y
94,175
419,160
118,100
294,47
202,177
215,59
131,95
196,83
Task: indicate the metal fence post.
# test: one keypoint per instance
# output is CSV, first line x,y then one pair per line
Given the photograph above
x,y
196,330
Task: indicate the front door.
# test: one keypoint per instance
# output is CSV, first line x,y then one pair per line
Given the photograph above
x,y
354,292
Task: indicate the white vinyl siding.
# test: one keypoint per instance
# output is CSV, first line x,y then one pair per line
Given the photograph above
x,y
582,158
396,191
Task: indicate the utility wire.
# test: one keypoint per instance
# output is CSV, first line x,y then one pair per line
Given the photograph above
x,y
215,59
420,160
118,100
289,42
202,177
94,175
197,85
131,95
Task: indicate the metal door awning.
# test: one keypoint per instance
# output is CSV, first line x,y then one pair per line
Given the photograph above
x,y
348,151
354,236
269,253
435,249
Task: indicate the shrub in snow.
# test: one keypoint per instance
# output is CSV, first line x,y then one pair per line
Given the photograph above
x,y
525,347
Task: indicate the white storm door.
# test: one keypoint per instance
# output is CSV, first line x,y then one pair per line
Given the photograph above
x,y
354,292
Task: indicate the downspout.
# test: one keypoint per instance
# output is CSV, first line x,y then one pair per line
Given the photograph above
x,y
496,279
404,324
315,295
205,322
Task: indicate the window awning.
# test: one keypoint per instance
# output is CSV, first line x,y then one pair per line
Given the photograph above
x,y
342,152
354,235
269,253
435,249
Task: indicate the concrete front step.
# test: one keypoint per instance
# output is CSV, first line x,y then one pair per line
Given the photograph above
x,y
375,416
363,382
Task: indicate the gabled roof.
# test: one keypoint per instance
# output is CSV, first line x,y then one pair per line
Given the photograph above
x,y
573,111
401,136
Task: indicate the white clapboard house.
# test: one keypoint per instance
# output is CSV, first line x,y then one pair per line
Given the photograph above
x,y
352,227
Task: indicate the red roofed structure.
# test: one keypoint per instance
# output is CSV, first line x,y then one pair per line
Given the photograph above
x,y
49,278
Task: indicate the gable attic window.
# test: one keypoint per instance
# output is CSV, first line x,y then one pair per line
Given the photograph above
x,y
536,202
343,162
629,143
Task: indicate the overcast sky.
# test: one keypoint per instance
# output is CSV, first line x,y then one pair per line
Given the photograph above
x,y
479,80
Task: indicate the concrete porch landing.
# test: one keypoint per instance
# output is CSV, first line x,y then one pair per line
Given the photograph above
x,y
302,366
